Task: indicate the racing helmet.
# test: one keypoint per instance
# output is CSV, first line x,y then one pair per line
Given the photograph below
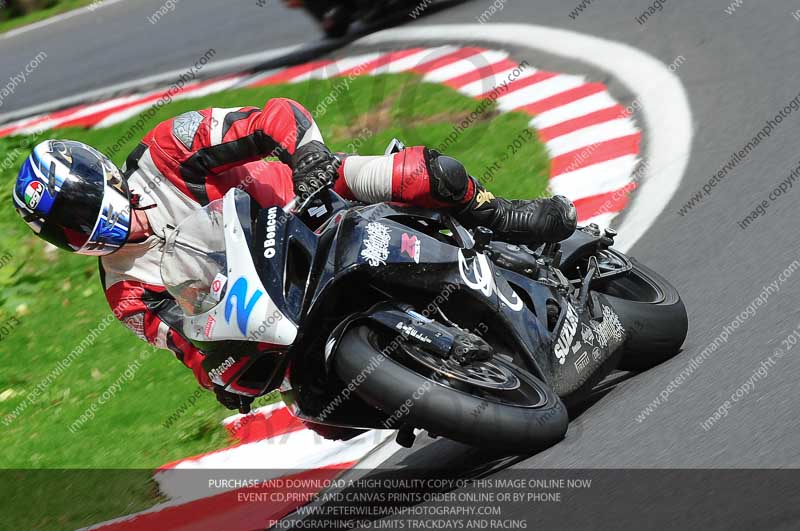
x,y
74,197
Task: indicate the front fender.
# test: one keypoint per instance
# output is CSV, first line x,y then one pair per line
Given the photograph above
x,y
408,324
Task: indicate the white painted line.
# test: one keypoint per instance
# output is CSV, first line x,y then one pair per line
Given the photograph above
x,y
540,91
343,65
482,86
600,178
55,19
665,104
254,78
462,66
406,63
337,67
576,109
91,109
188,92
590,136
299,450
263,411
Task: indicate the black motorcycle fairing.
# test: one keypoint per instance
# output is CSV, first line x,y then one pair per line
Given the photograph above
x,y
284,253
443,266
579,335
361,255
347,239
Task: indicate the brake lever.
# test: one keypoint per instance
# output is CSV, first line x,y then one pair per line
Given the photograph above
x,y
292,206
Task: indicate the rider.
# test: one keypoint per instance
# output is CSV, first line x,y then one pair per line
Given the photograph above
x,y
75,198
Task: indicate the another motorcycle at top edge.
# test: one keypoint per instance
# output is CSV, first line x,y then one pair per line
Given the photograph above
x,y
335,17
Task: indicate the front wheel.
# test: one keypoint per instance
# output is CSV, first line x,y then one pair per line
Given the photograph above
x,y
652,313
488,404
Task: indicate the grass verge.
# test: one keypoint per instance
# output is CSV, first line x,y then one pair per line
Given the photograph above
x,y
61,7
50,301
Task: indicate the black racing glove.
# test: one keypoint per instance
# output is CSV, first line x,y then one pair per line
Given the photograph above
x,y
314,167
232,400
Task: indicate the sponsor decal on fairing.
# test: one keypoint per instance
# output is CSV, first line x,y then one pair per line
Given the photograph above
x,y
269,242
318,211
566,335
208,329
411,246
577,346
215,374
244,306
217,286
582,362
376,245
609,328
480,278
586,334
410,331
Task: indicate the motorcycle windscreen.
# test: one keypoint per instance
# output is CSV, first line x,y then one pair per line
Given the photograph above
x,y
194,263
207,266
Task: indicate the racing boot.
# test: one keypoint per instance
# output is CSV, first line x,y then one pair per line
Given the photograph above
x,y
544,220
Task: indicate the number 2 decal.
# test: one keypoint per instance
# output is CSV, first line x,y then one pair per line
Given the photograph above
x,y
243,309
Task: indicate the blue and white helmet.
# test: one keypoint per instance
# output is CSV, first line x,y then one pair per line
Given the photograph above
x,y
74,197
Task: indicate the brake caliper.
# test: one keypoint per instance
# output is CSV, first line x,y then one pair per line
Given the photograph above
x,y
469,347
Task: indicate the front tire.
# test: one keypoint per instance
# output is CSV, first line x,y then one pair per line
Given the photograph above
x,y
440,408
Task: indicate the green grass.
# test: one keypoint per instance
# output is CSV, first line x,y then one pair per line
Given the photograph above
x,y
61,7
57,297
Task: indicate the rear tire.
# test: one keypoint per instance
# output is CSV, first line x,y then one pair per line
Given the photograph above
x,y
653,315
445,410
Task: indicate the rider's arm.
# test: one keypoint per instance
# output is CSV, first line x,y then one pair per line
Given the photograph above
x,y
146,310
404,177
192,150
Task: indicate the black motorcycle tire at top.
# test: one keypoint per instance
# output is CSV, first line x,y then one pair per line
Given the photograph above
x,y
653,314
447,411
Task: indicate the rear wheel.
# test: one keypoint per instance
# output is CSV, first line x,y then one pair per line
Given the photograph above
x,y
652,314
489,404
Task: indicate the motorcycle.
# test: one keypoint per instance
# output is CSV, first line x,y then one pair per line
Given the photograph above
x,y
336,16
388,316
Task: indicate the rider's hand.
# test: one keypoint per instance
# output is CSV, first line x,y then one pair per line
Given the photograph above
x,y
232,400
314,167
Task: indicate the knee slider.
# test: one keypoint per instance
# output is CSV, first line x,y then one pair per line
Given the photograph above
x,y
449,178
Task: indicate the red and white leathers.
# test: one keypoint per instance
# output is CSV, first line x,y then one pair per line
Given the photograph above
x,y
188,161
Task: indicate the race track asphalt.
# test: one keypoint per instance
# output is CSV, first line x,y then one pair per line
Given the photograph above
x,y
117,43
740,70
